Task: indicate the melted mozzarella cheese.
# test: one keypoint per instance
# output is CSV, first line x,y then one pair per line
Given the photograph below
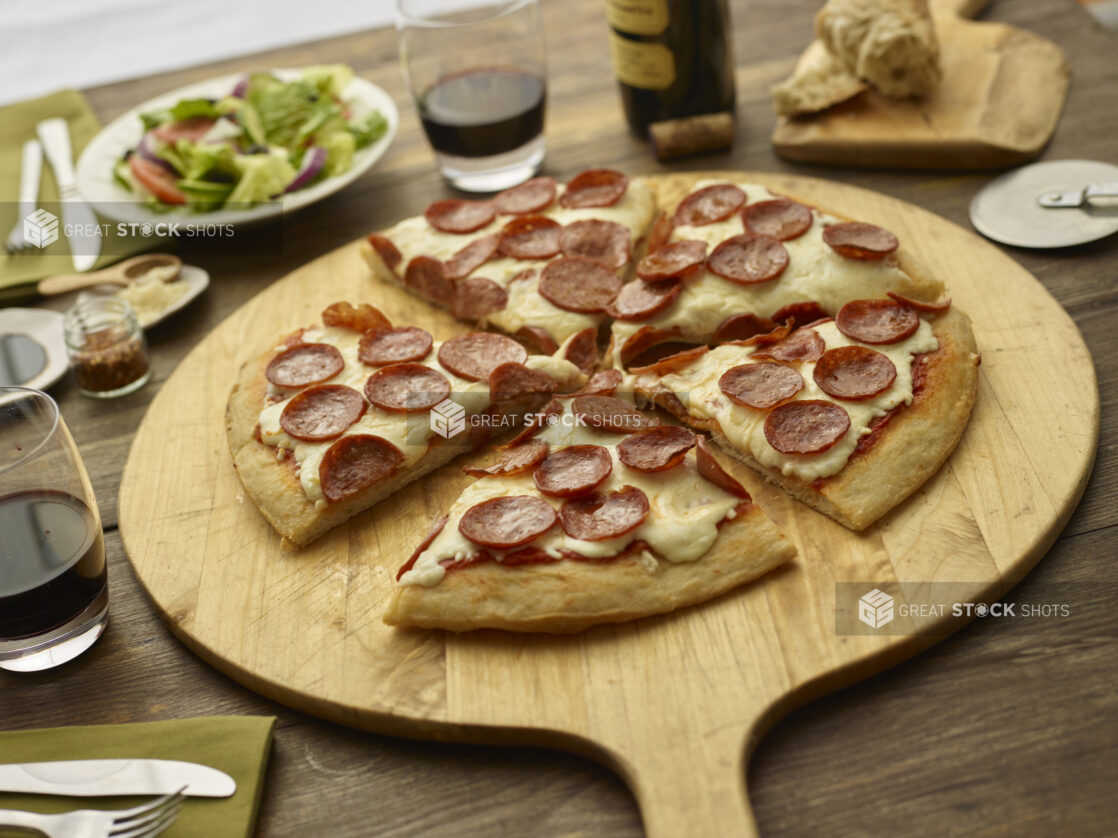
x,y
409,432
682,522
697,387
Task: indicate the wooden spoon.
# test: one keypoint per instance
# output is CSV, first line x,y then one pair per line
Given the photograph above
x,y
121,273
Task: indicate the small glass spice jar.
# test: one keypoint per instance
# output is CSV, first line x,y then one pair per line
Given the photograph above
x,y
108,353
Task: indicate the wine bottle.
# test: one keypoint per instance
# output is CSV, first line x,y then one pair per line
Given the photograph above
x,y
672,58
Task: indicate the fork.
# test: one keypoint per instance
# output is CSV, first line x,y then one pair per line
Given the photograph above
x,y
140,822
30,170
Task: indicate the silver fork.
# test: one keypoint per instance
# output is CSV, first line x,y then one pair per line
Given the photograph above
x,y
140,822
30,170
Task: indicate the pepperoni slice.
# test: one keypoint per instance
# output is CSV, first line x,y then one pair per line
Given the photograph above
x,y
803,345
504,523
742,327
856,240
538,339
388,252
806,427
303,364
920,305
533,423
476,297
712,471
406,388
513,380
877,321
359,318
661,232
609,414
476,354
708,205
801,314
574,470
644,339
471,257
768,338
596,517
531,196
748,259
582,349
394,346
594,188
322,412
854,372
530,237
640,300
520,276
601,383
458,216
516,460
782,219
760,386
356,462
672,362
656,449
427,277
603,241
432,534
577,284
672,260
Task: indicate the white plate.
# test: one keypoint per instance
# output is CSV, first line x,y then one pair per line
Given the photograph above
x,y
95,167
197,280
45,328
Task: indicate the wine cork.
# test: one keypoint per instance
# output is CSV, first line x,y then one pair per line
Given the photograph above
x,y
692,134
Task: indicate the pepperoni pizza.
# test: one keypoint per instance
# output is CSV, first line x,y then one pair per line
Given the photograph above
x,y
594,513
337,417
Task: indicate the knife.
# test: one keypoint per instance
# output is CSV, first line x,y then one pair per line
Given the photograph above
x,y
113,777
77,216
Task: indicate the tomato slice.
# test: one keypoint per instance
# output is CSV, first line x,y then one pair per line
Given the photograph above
x,y
156,180
192,129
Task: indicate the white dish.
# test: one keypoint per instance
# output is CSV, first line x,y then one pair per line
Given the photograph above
x,y
95,167
197,280
44,327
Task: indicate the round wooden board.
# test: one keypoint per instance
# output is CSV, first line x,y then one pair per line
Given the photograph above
x,y
674,703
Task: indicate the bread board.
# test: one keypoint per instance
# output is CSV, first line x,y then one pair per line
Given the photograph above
x,y
676,703
997,105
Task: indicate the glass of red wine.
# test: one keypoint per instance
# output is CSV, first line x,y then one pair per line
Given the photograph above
x,y
478,78
54,597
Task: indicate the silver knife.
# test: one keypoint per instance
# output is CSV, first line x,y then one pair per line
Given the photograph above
x,y
113,777
77,216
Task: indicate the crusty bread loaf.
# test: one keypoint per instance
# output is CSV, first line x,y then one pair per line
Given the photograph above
x,y
819,81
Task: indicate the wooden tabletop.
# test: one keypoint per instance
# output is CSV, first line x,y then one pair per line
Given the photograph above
x,y
997,731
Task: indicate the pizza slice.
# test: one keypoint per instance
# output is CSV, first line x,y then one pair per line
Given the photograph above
x,y
732,259
338,416
595,513
540,261
849,415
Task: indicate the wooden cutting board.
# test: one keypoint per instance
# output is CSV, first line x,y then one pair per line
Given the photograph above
x,y
675,704
997,105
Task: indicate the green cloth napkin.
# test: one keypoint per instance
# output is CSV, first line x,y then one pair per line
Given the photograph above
x,y
237,745
18,273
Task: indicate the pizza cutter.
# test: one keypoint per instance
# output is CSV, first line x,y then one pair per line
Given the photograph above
x,y
1058,203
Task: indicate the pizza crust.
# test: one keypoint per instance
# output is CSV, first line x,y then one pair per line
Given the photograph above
x,y
911,448
569,596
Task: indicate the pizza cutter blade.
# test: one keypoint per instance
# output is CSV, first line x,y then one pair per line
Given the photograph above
x,y
1009,208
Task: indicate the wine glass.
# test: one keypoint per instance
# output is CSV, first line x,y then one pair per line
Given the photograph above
x,y
478,79
53,587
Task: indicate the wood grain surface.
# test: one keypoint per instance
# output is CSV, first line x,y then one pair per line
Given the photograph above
x,y
993,732
997,104
672,701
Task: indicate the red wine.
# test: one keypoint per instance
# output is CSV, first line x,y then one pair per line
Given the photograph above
x,y
480,113
52,561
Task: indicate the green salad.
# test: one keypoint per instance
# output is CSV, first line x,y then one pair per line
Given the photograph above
x,y
266,138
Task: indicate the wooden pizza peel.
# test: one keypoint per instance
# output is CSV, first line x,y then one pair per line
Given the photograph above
x,y
677,703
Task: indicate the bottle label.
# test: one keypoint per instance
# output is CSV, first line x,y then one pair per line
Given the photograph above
x,y
638,17
647,66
